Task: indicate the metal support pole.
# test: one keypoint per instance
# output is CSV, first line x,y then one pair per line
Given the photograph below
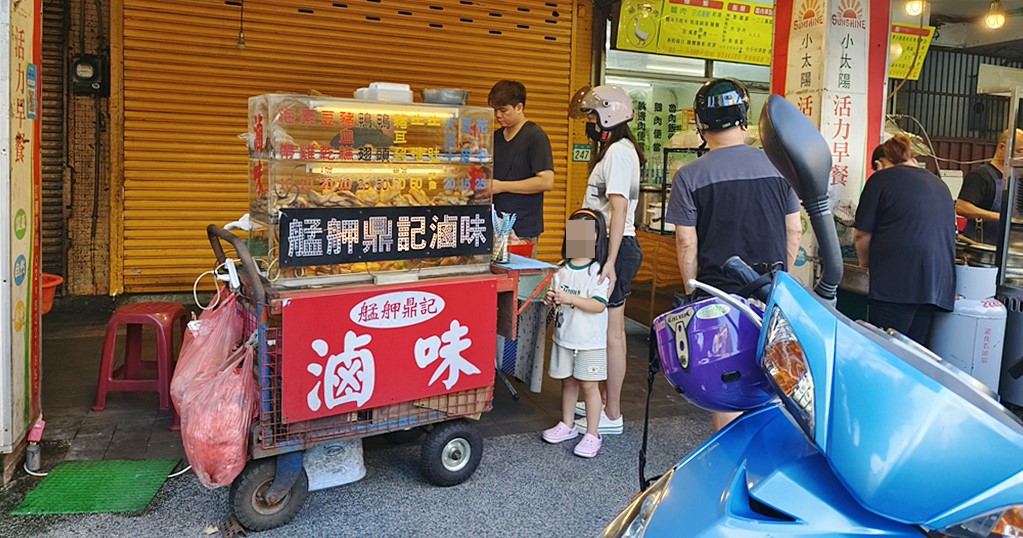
x,y
1009,188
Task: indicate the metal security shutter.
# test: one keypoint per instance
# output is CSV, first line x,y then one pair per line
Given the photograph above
x,y
186,85
53,132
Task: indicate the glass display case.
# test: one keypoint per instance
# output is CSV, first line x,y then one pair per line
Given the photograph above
x,y
343,190
664,116
653,196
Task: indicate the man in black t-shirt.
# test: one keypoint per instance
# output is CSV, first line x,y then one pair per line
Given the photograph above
x,y
523,161
980,198
731,201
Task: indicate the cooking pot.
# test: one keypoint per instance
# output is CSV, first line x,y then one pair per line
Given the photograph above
x,y
980,255
649,197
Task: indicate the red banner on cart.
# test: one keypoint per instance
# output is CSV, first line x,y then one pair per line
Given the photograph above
x,y
353,350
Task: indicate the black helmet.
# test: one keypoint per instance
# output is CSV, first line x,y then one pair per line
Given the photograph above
x,y
721,103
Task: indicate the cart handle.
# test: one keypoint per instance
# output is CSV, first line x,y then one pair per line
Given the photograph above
x,y
250,276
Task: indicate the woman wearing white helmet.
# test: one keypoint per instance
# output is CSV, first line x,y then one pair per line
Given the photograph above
x,y
613,189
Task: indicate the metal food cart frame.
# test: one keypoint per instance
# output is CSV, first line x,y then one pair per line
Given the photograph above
x,y
272,437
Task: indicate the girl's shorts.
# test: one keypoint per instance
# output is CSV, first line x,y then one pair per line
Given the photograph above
x,y
584,365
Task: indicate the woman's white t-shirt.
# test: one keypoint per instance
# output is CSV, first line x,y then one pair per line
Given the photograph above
x,y
616,173
576,329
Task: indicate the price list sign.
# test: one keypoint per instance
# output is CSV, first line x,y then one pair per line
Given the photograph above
x,y
912,39
717,30
325,236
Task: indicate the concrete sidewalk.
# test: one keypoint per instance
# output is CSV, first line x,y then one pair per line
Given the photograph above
x,y
131,427
523,487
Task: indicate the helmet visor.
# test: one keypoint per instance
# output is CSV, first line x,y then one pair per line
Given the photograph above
x,y
729,98
582,103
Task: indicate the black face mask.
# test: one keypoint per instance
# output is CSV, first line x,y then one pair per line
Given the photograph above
x,y
593,133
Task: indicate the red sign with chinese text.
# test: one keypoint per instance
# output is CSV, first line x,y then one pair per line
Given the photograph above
x,y
375,346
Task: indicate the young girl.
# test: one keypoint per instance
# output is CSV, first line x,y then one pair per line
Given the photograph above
x,y
579,353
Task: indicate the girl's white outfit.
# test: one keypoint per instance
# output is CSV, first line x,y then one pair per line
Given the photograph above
x,y
580,338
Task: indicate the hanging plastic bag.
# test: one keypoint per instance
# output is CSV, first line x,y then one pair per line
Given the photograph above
x,y
216,415
207,343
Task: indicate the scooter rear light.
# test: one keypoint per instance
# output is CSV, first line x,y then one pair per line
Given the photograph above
x,y
786,366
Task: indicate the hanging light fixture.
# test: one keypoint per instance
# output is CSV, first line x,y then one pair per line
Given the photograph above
x,y
914,7
241,27
995,18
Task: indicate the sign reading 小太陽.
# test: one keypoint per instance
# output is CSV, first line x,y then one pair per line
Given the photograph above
x,y
361,349
727,30
326,236
826,78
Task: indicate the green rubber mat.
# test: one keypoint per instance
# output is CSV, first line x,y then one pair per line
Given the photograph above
x,y
86,487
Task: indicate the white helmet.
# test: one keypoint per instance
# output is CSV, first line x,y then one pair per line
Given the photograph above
x,y
612,106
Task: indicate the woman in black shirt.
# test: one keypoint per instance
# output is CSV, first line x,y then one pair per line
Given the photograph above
x,y
905,237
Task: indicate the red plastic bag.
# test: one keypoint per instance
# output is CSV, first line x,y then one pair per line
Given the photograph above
x,y
216,414
205,348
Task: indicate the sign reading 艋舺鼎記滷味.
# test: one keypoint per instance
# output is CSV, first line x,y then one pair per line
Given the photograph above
x,y
324,236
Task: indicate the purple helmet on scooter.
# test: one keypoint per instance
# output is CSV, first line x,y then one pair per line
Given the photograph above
x,y
708,352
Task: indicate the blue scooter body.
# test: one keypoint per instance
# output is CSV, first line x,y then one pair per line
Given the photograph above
x,y
762,460
912,438
871,435
901,441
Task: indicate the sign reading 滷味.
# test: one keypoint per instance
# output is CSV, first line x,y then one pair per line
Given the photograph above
x,y
423,340
733,31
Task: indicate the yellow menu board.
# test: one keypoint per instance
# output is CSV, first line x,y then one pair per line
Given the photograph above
x,y
638,24
910,37
728,30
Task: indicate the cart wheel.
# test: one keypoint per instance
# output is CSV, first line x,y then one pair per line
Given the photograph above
x,y
451,453
251,508
403,437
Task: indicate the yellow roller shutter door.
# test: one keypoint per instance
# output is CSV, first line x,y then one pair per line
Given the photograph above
x,y
186,85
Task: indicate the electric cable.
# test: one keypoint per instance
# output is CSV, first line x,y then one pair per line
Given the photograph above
x,y
181,472
216,282
927,140
33,473
916,56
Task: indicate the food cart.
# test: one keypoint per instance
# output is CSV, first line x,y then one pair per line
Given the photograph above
x,y
366,277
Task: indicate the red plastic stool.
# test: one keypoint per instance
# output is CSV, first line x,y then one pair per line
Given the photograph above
x,y
126,378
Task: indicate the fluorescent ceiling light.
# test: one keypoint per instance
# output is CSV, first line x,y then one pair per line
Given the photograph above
x,y
618,81
676,69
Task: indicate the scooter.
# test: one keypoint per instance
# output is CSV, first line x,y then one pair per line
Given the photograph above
x,y
846,430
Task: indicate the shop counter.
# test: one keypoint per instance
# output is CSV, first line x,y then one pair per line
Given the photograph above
x,y
852,291
657,280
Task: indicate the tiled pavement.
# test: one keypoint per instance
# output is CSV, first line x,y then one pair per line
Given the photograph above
x,y
129,428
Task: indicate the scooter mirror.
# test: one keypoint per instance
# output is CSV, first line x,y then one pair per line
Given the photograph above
x,y
796,148
799,152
